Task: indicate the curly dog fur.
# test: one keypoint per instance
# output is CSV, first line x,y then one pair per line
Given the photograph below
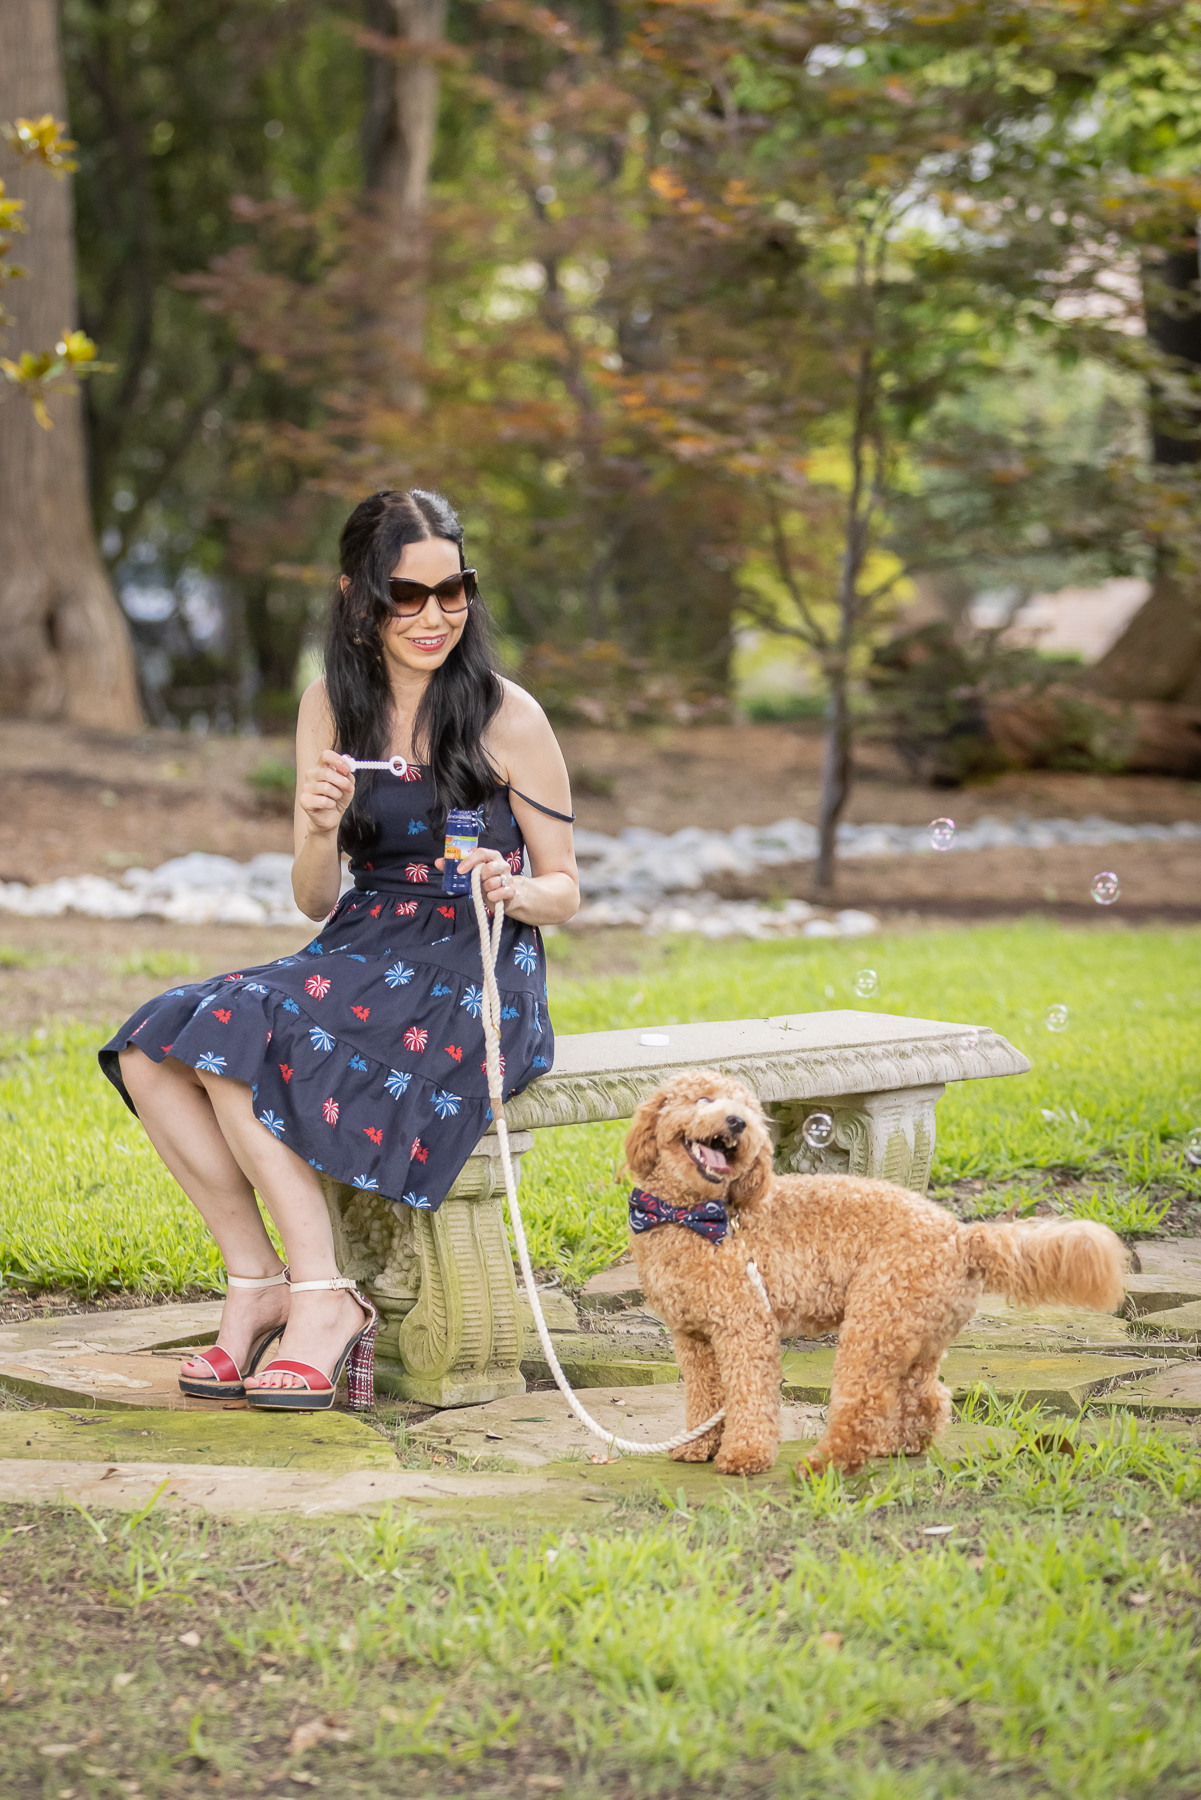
x,y
898,1276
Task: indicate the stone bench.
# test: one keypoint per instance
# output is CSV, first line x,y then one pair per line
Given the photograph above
x,y
451,1329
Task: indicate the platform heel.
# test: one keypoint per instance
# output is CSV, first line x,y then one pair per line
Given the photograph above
x,y
228,1382
320,1390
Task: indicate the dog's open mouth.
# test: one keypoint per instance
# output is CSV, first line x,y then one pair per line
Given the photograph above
x,y
712,1158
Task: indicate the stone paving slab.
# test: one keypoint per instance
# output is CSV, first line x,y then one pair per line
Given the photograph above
x,y
604,1359
536,1429
1172,1390
1178,1321
334,1441
1061,1381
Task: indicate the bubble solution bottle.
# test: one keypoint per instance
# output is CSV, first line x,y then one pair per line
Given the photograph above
x,y
462,837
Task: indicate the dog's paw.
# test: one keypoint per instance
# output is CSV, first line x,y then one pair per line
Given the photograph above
x,y
744,1461
702,1449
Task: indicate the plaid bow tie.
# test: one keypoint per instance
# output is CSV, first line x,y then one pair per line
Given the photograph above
x,y
708,1219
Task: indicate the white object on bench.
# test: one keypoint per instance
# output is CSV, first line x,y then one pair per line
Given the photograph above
x,y
451,1333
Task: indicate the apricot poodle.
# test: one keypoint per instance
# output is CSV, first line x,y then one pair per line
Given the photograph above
x,y
733,1257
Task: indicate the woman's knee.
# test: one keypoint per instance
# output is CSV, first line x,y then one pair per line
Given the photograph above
x,y
143,1076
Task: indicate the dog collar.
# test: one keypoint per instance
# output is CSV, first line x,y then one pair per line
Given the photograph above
x,y
709,1219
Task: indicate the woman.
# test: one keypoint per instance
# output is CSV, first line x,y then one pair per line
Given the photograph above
x,y
362,1057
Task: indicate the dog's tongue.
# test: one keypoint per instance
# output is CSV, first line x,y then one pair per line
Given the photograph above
x,y
712,1158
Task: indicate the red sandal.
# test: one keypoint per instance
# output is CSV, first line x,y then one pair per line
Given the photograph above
x,y
320,1390
228,1381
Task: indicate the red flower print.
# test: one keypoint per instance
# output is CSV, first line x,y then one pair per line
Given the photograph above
x,y
138,1028
417,871
377,910
165,1048
484,1065
405,909
370,866
220,1013
516,860
270,1035
374,1133
416,1038
361,1012
418,1151
318,986
231,978
455,1051
330,1110
285,1071
448,912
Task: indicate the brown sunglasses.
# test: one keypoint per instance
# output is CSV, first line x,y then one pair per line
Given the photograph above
x,y
454,595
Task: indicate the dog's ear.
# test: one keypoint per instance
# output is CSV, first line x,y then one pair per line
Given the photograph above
x,y
642,1142
754,1181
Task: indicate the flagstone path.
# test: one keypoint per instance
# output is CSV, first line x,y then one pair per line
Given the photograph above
x,y
99,1418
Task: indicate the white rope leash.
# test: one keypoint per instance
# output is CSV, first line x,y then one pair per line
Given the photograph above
x,y
489,951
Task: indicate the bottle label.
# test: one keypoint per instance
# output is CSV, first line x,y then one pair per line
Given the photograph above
x,y
462,837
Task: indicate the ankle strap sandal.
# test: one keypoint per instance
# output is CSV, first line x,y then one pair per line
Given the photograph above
x,y
320,1390
228,1381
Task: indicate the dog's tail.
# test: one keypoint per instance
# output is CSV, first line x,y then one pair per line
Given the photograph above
x,y
1074,1261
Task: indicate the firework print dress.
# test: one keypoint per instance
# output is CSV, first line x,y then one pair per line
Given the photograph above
x,y
364,1052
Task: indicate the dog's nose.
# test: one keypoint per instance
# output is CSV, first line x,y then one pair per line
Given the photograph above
x,y
734,1125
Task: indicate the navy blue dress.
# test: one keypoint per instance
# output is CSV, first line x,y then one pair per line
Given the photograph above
x,y
364,1052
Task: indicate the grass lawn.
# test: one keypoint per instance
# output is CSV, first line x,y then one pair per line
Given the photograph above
x,y
836,1640
85,1204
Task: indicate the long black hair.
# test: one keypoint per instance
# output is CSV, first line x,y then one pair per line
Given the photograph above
x,y
462,697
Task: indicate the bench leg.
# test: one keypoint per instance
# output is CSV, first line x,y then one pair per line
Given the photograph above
x,y
888,1136
450,1332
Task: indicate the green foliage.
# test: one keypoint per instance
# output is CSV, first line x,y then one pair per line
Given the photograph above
x,y
1130,1215
274,784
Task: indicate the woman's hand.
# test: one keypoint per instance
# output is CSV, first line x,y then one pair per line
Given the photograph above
x,y
501,886
326,792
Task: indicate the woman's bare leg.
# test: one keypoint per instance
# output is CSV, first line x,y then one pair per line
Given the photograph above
x,y
318,1324
180,1122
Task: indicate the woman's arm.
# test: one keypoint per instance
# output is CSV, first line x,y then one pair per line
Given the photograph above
x,y
526,752
324,789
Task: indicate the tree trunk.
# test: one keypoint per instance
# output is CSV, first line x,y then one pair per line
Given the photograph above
x,y
836,777
67,652
399,147
1158,656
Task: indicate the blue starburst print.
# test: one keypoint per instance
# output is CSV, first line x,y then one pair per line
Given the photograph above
x,y
356,1062
290,1006
537,1017
398,1083
314,1164
174,993
539,1062
320,1040
254,987
353,957
365,1181
446,1105
314,949
416,827
209,1064
274,1124
509,1012
286,962
440,992
473,1000
526,958
399,975
420,1201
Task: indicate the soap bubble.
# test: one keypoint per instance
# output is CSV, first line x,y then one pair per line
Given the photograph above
x,y
1057,1018
970,1039
1105,888
1192,1149
818,1130
866,983
942,834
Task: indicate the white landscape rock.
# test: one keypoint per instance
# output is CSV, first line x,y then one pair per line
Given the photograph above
x,y
646,879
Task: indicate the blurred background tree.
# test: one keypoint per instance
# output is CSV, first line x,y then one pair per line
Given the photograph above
x,y
711,321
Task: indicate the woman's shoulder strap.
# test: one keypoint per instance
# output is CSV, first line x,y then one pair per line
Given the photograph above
x,y
567,818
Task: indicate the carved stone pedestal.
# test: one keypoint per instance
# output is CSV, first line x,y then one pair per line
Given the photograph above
x,y
887,1136
450,1333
